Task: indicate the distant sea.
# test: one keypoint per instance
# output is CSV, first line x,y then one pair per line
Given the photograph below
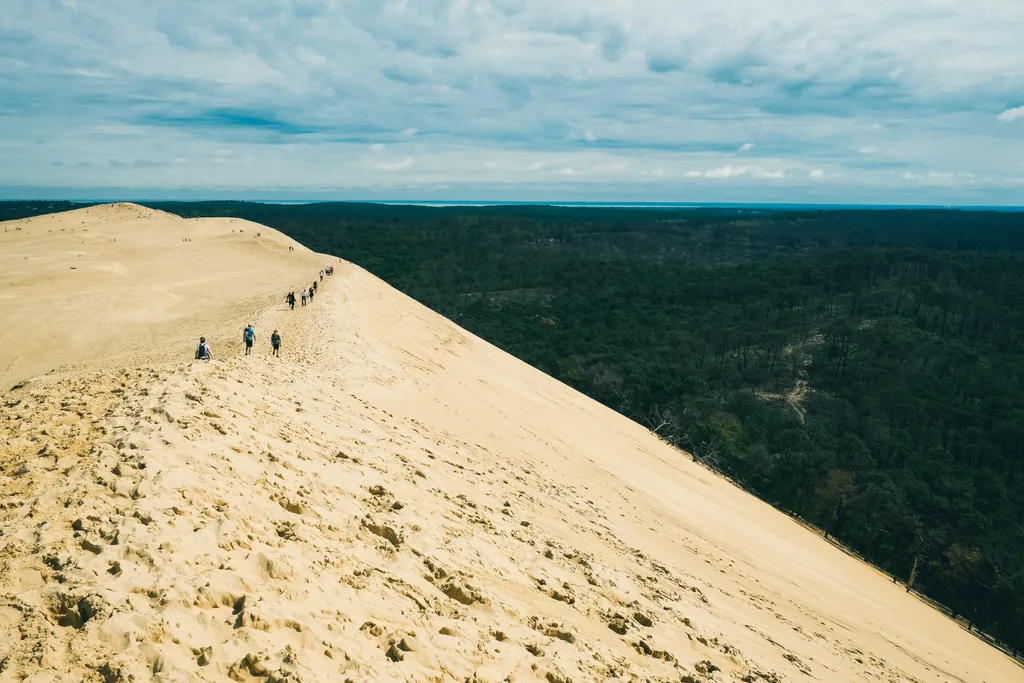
x,y
658,205
602,205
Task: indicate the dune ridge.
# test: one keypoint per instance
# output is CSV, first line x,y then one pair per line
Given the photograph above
x,y
394,499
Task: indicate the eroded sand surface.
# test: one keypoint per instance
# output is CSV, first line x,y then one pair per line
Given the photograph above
x,y
393,500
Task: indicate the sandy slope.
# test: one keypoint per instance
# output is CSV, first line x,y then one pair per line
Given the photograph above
x,y
120,283
392,500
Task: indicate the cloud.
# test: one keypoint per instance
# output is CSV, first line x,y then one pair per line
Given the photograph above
x,y
664,61
816,173
1012,114
402,76
945,178
730,171
614,43
400,165
294,96
234,119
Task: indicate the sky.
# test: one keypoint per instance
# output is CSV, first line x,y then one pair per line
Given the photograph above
x,y
872,101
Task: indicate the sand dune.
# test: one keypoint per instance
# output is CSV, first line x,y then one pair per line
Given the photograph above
x,y
394,499
120,284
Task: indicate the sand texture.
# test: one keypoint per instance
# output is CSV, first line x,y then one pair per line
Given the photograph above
x,y
393,499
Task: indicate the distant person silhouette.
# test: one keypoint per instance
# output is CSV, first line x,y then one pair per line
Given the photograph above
x,y
203,350
305,295
290,300
249,337
275,341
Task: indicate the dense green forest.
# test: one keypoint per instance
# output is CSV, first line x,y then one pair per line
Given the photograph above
x,y
10,211
863,370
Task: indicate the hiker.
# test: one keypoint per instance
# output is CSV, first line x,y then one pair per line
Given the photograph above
x,y
305,295
321,276
203,350
290,300
275,341
249,337
311,291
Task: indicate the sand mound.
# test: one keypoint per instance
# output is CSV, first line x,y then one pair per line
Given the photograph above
x,y
393,499
122,284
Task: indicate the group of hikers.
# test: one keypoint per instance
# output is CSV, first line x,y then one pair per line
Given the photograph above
x,y
248,338
306,295
249,333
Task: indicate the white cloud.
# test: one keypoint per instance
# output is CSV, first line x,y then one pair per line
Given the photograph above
x,y
816,173
941,177
868,150
746,146
730,171
399,165
1012,114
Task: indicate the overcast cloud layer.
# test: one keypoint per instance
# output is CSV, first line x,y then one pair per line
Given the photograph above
x,y
917,101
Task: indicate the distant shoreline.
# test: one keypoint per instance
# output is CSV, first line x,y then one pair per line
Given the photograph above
x,y
595,205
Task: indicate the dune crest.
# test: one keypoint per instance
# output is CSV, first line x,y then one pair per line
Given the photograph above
x,y
393,499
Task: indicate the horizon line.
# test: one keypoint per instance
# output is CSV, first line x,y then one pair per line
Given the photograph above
x,y
454,203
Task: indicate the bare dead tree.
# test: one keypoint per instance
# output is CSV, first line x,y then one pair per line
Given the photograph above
x,y
708,454
662,422
703,451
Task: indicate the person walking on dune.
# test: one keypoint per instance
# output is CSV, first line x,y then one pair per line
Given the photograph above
x,y
249,337
305,295
203,350
311,290
290,300
275,341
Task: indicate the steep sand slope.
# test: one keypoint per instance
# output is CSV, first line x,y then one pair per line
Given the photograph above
x,y
393,500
